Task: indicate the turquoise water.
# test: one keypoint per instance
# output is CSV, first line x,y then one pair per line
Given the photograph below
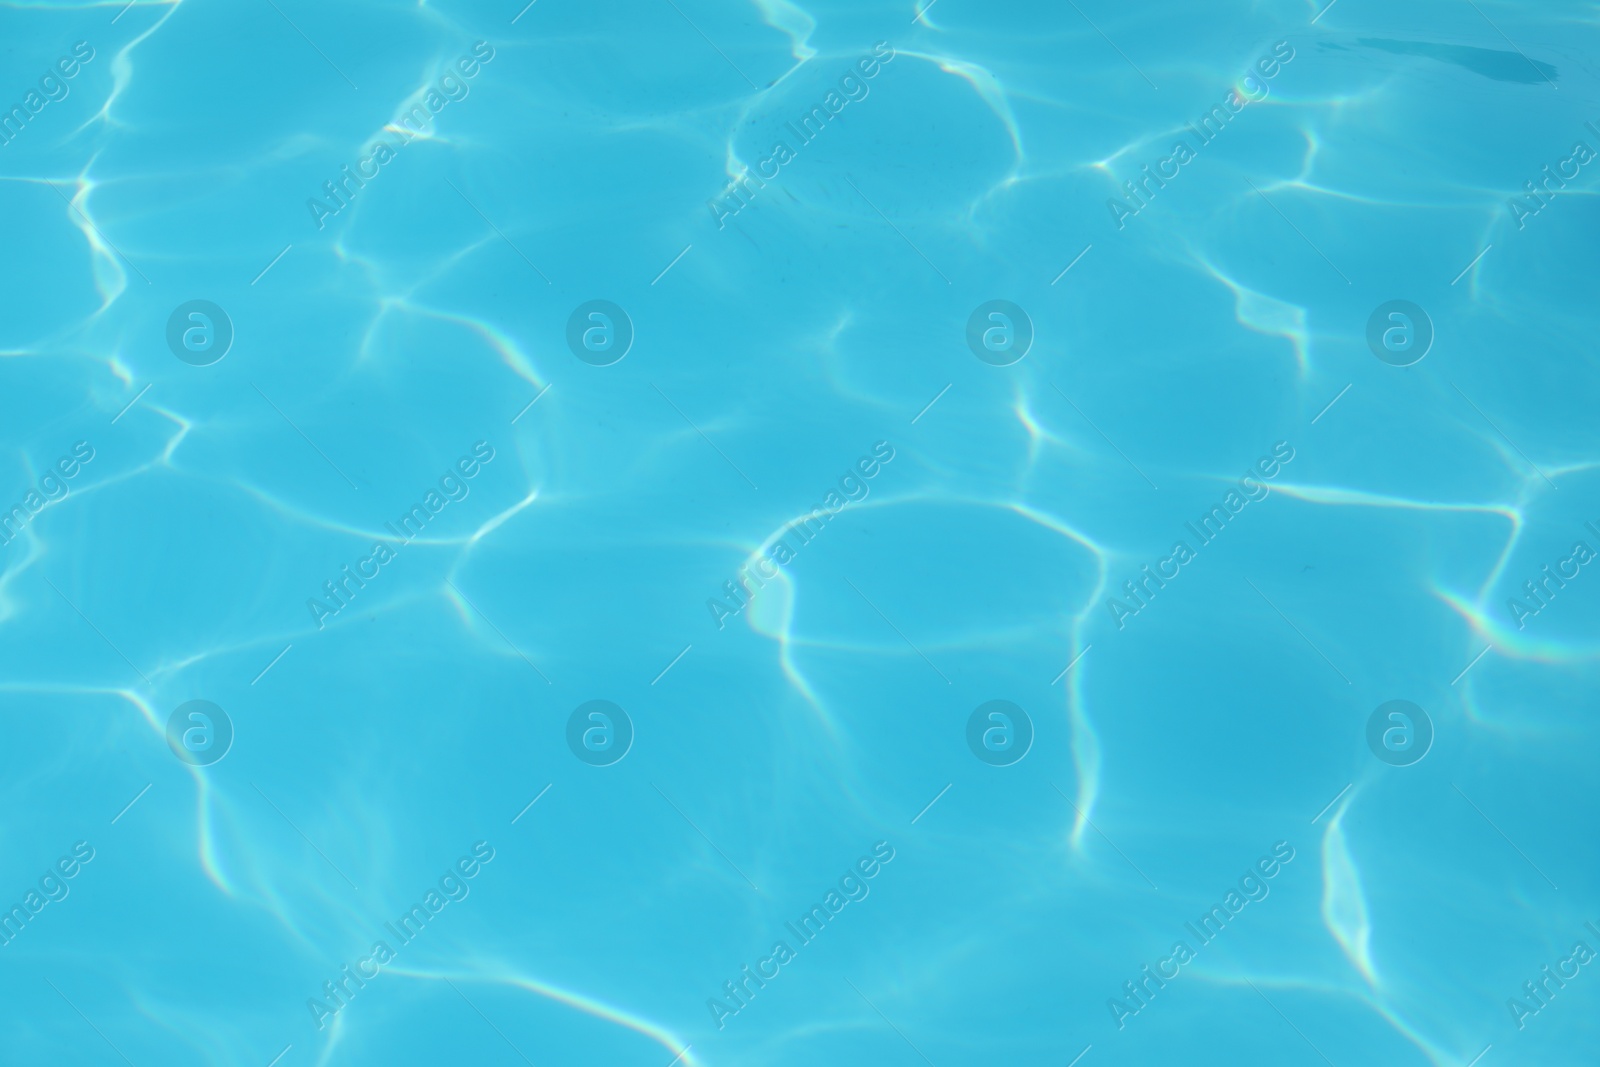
x,y
782,533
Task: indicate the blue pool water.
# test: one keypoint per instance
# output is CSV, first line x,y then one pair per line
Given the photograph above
x,y
781,532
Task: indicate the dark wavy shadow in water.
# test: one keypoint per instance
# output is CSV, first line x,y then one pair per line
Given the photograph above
x,y
1497,65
